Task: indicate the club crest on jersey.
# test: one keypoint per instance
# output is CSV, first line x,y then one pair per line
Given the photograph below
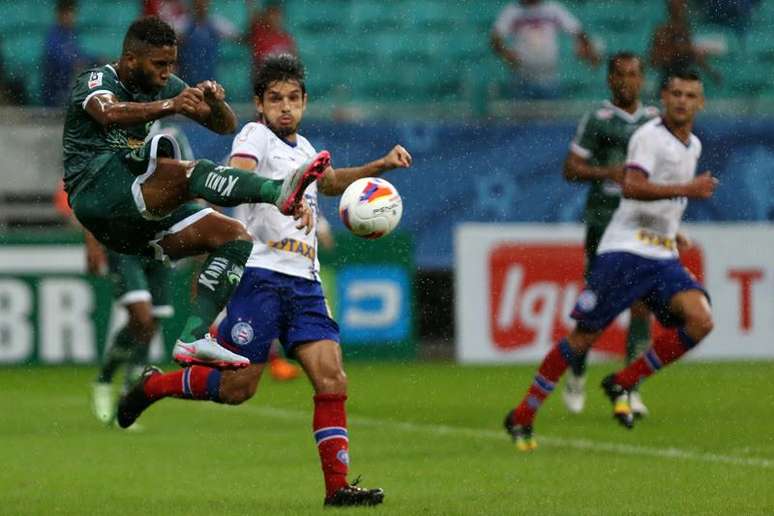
x,y
373,191
95,79
587,301
242,333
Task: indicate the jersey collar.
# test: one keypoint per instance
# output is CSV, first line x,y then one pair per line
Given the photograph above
x,y
629,117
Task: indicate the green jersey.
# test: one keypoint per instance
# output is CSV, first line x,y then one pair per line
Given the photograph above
x,y
88,145
602,139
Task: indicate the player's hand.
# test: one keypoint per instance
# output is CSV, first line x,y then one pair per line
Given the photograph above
x,y
398,157
187,102
683,242
304,217
702,187
213,92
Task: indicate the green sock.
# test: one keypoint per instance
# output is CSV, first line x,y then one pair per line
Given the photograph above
x,y
118,354
638,339
228,187
578,364
219,277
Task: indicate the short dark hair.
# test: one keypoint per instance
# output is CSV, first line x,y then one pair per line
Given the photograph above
x,y
622,56
65,5
150,30
685,75
279,68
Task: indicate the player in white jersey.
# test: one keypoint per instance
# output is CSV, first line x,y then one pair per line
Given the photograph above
x,y
279,295
637,259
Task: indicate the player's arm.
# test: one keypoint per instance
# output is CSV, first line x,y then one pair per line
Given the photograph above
x,y
107,110
214,113
637,186
335,181
577,168
499,47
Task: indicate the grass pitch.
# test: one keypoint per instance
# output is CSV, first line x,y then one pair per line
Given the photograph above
x,y
429,434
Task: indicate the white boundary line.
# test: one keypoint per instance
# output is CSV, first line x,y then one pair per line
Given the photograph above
x,y
543,440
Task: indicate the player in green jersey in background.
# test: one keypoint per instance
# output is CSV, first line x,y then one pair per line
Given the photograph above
x,y
133,194
597,155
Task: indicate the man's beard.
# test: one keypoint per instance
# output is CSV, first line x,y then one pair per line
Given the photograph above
x,y
282,132
140,81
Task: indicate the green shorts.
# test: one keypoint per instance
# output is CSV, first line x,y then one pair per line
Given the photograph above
x,y
139,279
109,203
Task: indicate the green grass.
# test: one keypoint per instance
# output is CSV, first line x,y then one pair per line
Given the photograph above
x,y
429,434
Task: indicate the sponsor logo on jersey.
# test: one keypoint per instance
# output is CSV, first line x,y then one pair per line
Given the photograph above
x,y
242,333
294,246
95,79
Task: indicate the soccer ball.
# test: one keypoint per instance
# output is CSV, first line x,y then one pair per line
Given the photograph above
x,y
370,207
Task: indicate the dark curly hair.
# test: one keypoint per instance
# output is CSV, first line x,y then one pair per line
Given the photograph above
x,y
279,68
150,30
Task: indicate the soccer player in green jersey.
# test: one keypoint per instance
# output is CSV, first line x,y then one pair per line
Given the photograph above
x,y
597,155
132,192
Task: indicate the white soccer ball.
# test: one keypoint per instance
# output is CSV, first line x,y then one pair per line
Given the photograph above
x,y
370,207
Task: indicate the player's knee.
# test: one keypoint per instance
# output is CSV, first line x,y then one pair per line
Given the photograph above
x,y
702,324
231,230
333,382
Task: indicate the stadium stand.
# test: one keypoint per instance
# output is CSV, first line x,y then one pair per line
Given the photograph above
x,y
429,51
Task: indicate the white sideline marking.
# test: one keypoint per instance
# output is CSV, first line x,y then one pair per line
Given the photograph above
x,y
543,440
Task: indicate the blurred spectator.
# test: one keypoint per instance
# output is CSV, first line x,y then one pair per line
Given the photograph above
x,y
62,56
672,49
199,43
526,37
174,12
734,14
12,91
266,34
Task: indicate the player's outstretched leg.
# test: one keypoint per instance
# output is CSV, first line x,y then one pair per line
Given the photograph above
x,y
693,308
135,401
295,184
518,422
228,187
194,383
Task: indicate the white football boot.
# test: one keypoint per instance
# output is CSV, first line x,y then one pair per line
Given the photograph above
x,y
639,409
574,393
102,403
207,352
294,185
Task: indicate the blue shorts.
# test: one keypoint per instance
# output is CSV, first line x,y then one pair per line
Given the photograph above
x,y
269,305
618,279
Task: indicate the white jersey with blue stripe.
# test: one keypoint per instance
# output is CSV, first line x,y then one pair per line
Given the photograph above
x,y
649,228
279,245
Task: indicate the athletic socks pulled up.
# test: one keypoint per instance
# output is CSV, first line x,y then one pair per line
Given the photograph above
x,y
228,187
550,371
330,434
195,382
666,348
217,280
